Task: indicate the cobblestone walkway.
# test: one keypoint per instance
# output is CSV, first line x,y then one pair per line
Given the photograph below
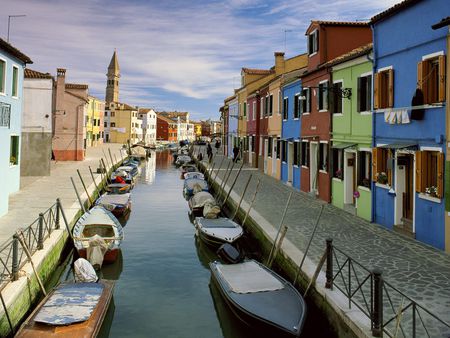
x,y
417,270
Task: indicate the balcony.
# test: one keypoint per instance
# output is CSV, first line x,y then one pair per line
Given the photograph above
x,y
5,114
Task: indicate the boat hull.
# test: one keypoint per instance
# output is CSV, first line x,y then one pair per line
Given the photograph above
x,y
109,257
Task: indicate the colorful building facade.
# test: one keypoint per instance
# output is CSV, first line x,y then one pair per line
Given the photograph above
x,y
95,122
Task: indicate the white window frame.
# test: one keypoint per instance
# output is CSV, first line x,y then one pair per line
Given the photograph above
x,y
341,81
323,93
307,97
327,156
254,111
3,93
369,112
301,149
317,43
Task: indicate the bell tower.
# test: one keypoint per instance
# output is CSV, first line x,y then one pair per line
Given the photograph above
x,y
112,83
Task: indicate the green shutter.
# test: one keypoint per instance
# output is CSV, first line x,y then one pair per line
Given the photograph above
x,y
2,76
14,81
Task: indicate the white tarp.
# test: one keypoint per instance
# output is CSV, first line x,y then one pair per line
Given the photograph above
x,y
248,277
84,271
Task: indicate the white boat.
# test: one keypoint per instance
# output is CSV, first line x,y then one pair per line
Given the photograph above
x,y
218,231
98,234
198,201
194,174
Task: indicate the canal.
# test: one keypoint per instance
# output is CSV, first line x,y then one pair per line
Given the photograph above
x,y
163,284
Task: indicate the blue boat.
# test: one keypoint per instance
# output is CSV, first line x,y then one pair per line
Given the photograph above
x,y
194,185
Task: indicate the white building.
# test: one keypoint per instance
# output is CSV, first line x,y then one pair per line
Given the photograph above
x,y
148,118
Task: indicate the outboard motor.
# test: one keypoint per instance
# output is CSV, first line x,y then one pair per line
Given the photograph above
x,y
229,253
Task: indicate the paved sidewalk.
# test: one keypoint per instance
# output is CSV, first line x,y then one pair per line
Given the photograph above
x,y
38,193
418,270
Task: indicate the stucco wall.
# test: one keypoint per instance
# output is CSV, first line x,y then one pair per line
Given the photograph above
x,y
36,154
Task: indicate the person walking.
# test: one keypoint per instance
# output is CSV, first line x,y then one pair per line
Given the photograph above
x,y
209,152
217,145
235,153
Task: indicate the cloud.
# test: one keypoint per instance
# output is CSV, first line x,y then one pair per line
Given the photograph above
x,y
171,53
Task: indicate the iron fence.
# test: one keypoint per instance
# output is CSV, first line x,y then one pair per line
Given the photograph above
x,y
391,312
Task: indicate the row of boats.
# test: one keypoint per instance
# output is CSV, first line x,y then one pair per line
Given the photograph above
x,y
77,309
256,294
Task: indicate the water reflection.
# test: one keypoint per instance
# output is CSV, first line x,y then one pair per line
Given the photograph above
x,y
108,320
148,169
112,271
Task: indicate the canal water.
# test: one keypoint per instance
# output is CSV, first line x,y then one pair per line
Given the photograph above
x,y
163,286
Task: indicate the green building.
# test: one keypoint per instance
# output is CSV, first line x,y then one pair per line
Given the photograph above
x,y
351,160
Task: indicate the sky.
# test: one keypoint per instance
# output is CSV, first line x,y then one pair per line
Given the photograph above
x,y
173,55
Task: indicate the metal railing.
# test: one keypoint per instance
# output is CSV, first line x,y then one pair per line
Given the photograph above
x,y
391,312
13,256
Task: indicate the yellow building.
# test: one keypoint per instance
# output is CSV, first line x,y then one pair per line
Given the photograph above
x,y
122,123
94,122
197,129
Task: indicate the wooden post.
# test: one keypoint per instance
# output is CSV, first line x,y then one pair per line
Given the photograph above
x,y
279,228
110,156
209,174
220,167
78,195
277,247
251,204
106,173
93,179
115,158
232,185
106,159
309,243
64,218
316,273
85,189
242,197
227,174
223,180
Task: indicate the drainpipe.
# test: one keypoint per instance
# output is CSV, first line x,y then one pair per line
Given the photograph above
x,y
374,66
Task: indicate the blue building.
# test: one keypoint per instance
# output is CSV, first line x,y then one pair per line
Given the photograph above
x,y
409,120
290,129
233,113
12,65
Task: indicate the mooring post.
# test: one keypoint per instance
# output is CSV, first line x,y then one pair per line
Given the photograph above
x,y
93,179
242,197
329,271
251,204
40,243
209,174
84,187
232,185
57,216
15,258
106,158
110,156
115,158
64,218
220,167
78,195
106,173
377,311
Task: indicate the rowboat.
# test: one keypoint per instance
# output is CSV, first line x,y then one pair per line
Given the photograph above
x,y
198,201
70,310
97,236
260,298
131,169
182,159
118,204
119,188
194,185
193,174
216,232
125,175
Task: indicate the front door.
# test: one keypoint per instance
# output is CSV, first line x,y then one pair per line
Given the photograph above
x,y
349,177
405,190
314,173
266,149
290,160
250,150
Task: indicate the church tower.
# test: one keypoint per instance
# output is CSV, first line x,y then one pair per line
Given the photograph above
x,y
112,84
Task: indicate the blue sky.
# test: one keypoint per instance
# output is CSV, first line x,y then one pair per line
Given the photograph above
x,y
173,55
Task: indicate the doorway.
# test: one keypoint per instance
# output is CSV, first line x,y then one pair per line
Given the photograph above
x,y
313,173
266,150
290,162
349,177
404,199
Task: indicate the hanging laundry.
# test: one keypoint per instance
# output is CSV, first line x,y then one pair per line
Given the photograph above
x,y
392,117
405,117
387,113
398,116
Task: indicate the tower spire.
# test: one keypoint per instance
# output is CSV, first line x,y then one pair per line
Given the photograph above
x,y
112,83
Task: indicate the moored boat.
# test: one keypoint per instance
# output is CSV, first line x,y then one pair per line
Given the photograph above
x,y
97,236
193,174
118,204
70,310
194,185
197,202
260,297
218,231
118,188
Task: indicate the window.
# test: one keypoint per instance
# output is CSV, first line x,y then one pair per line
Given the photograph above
x,y
297,106
15,82
261,108
113,114
364,168
313,42
2,76
429,173
245,109
261,145
285,108
14,151
279,145
284,148
338,160
383,90
296,159
382,166
269,151
254,111
364,103
266,105
253,143
431,79
113,124
305,154
306,100
106,113
337,99
270,105
322,96
5,114
323,156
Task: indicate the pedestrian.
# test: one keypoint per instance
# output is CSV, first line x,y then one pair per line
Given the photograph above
x,y
235,153
209,152
217,145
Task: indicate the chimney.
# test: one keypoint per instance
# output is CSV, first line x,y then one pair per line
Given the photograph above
x,y
279,63
60,89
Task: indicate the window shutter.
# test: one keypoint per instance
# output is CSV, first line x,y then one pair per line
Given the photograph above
x,y
441,78
421,72
375,160
309,96
391,88
326,97
317,97
440,175
358,98
317,40
376,93
419,172
333,95
300,104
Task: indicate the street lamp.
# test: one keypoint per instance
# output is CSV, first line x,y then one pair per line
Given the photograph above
x,y
9,22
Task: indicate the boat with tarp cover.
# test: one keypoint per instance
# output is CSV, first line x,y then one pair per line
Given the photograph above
x,y
70,310
260,297
218,231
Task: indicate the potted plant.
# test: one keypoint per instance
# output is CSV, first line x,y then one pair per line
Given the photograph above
x,y
356,194
431,191
338,174
366,182
381,177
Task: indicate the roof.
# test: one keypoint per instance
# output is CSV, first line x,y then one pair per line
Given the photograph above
x,y
124,106
14,51
76,86
145,110
114,64
353,54
340,23
163,118
393,10
442,23
253,71
33,74
78,96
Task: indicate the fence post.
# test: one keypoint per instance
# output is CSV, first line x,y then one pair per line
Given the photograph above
x,y
40,243
329,271
377,311
15,258
57,217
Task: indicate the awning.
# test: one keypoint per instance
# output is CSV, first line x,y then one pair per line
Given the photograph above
x,y
399,145
342,145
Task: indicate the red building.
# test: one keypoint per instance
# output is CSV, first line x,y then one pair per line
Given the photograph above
x,y
326,41
262,131
166,129
253,126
